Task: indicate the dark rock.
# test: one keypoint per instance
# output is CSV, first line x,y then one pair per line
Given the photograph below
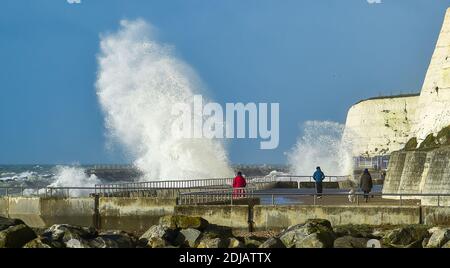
x,y
65,232
212,243
294,236
188,237
114,239
6,222
16,236
446,245
362,231
406,237
316,240
272,242
439,238
69,235
158,236
235,243
36,243
215,231
350,242
253,241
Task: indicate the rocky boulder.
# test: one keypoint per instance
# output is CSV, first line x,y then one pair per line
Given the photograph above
x,y
446,245
362,231
314,233
113,239
6,223
272,242
316,240
16,236
406,237
36,243
235,243
212,243
188,237
350,242
158,236
253,241
70,236
439,238
183,222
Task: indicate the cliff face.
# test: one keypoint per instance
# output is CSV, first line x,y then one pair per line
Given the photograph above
x,y
380,126
433,111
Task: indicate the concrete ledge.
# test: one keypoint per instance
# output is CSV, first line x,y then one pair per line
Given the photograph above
x,y
75,211
27,209
4,206
231,216
133,214
436,215
279,217
44,212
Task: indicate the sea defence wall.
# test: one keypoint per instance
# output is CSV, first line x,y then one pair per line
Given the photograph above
x,y
420,171
279,217
138,214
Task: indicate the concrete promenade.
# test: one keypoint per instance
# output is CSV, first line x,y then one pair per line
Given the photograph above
x,y
139,213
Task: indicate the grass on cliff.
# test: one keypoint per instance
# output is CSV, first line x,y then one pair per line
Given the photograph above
x,y
411,144
443,136
430,142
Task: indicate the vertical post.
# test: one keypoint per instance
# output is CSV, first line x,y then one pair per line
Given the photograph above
x,y
438,197
357,199
273,200
314,200
401,201
6,191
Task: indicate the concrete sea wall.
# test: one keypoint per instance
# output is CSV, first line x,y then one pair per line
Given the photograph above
x,y
132,214
422,172
279,217
138,214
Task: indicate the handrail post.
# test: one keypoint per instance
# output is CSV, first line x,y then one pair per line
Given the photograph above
x,y
314,200
273,200
438,204
401,201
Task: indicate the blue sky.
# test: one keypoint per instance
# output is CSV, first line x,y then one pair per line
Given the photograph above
x,y
316,58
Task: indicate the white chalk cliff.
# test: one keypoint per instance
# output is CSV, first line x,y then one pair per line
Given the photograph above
x,y
380,126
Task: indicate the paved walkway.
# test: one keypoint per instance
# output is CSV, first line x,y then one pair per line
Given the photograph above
x,y
285,197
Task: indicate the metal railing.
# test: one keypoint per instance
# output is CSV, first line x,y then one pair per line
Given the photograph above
x,y
149,187
206,197
209,197
73,191
299,178
221,194
206,183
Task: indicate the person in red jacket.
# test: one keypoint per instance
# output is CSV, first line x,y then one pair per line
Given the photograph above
x,y
239,182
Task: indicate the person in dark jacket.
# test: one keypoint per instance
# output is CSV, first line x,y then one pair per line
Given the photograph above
x,y
365,183
318,177
239,183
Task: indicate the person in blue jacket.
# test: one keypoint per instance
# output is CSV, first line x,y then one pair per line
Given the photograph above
x,y
318,177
